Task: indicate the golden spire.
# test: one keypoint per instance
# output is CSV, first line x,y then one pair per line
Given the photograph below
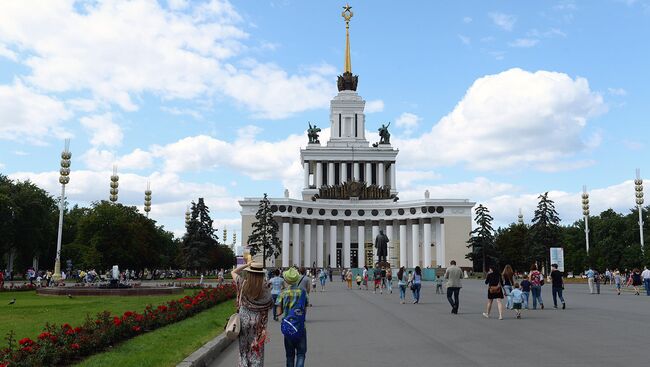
x,y
347,15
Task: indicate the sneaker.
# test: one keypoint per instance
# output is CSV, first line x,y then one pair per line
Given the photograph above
x,y
563,305
500,317
486,315
555,307
542,306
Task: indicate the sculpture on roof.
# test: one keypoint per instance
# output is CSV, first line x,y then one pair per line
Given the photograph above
x,y
384,135
312,134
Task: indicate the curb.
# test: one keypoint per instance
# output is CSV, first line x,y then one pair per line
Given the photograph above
x,y
207,353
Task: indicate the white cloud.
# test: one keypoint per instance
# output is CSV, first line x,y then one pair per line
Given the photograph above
x,y
103,130
373,106
464,39
523,42
9,54
617,91
510,119
467,19
27,115
96,159
503,21
408,121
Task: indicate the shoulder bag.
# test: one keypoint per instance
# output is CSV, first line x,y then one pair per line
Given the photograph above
x,y
233,327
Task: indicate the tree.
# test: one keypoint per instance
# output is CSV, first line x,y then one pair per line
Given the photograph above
x,y
510,243
265,232
481,239
545,230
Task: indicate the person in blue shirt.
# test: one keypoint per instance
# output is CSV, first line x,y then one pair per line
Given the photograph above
x,y
276,284
517,297
590,279
525,290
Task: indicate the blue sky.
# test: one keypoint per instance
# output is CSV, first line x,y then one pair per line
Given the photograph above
x,y
491,101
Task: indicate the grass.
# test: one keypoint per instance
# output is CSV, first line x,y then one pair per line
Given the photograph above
x,y
28,315
166,346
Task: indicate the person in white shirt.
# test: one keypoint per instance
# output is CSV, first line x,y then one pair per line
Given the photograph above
x,y
646,280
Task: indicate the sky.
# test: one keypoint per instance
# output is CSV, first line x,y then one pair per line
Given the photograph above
x,y
495,101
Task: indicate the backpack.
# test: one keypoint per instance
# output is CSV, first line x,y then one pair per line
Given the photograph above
x,y
293,325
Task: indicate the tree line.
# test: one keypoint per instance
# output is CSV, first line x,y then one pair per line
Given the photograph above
x,y
100,236
613,238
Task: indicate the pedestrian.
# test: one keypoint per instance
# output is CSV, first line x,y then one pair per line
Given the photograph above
x,y
358,280
525,290
453,274
517,300
495,291
305,283
557,286
276,287
383,277
590,280
365,276
537,281
330,272
508,281
416,284
402,281
292,305
2,280
636,280
343,275
617,281
313,282
323,278
348,278
389,280
254,303
646,280
597,281
438,284
376,275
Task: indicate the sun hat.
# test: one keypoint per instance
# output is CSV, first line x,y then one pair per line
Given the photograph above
x,y
291,276
255,268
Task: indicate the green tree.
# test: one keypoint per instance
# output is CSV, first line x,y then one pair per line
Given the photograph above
x,y
200,248
481,239
545,230
510,243
264,238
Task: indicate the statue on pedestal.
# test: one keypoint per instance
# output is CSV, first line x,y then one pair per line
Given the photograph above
x,y
384,135
381,244
312,134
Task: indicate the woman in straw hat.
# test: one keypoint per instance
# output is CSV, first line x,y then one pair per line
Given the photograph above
x,y
254,303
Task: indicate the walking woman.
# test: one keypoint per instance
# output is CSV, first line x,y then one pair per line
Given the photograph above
x,y
508,281
402,281
255,302
323,278
416,285
348,278
636,280
537,281
495,291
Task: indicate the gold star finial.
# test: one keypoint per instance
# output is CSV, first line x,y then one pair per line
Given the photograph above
x,y
347,15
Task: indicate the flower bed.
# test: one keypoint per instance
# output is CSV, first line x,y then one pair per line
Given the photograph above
x,y
18,287
63,345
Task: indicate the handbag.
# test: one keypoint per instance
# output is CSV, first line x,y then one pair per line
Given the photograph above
x,y
233,326
494,289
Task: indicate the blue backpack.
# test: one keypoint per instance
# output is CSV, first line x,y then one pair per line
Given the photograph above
x,y
293,325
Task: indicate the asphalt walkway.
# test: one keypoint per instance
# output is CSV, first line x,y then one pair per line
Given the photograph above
x,y
359,328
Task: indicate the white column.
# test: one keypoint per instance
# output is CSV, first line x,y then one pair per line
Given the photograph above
x,y
346,244
438,242
361,239
307,240
415,236
368,175
402,244
389,234
426,242
319,174
442,243
343,172
296,242
355,174
286,237
330,173
306,174
380,174
332,243
375,233
392,177
319,244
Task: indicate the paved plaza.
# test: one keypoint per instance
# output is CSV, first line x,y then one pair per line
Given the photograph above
x,y
359,328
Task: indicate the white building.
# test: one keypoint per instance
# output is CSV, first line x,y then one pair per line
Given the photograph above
x,y
349,195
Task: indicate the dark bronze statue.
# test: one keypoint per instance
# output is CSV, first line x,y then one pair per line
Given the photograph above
x,y
347,81
381,244
312,134
384,135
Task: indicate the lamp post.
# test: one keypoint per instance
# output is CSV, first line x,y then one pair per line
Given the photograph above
x,y
585,212
520,217
64,178
147,199
638,191
188,218
114,185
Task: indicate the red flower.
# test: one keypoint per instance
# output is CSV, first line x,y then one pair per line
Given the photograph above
x,y
27,349
139,318
53,339
128,314
117,321
66,326
98,322
74,346
44,335
77,329
26,342
187,307
69,332
136,328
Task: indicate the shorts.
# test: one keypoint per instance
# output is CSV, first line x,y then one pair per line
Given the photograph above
x,y
516,306
377,281
359,283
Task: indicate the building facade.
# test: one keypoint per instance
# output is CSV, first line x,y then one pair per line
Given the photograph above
x,y
350,194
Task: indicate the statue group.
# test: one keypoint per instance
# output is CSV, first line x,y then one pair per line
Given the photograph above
x,y
384,135
312,134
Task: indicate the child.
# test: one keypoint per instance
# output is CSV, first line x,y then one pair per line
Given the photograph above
x,y
525,290
359,281
313,284
438,284
517,299
377,275
617,281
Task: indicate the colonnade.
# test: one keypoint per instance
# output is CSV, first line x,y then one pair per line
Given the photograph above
x,y
338,172
412,237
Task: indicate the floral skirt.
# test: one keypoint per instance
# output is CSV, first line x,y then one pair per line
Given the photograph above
x,y
251,354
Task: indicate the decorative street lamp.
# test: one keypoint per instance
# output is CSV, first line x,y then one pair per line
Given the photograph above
x,y
638,191
520,217
188,217
114,185
64,178
147,199
585,212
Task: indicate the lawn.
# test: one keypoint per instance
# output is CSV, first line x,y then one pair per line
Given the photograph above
x,y
166,346
30,312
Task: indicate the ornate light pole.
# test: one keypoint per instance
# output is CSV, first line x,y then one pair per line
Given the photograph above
x,y
188,218
638,191
114,185
64,178
520,217
585,212
147,199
